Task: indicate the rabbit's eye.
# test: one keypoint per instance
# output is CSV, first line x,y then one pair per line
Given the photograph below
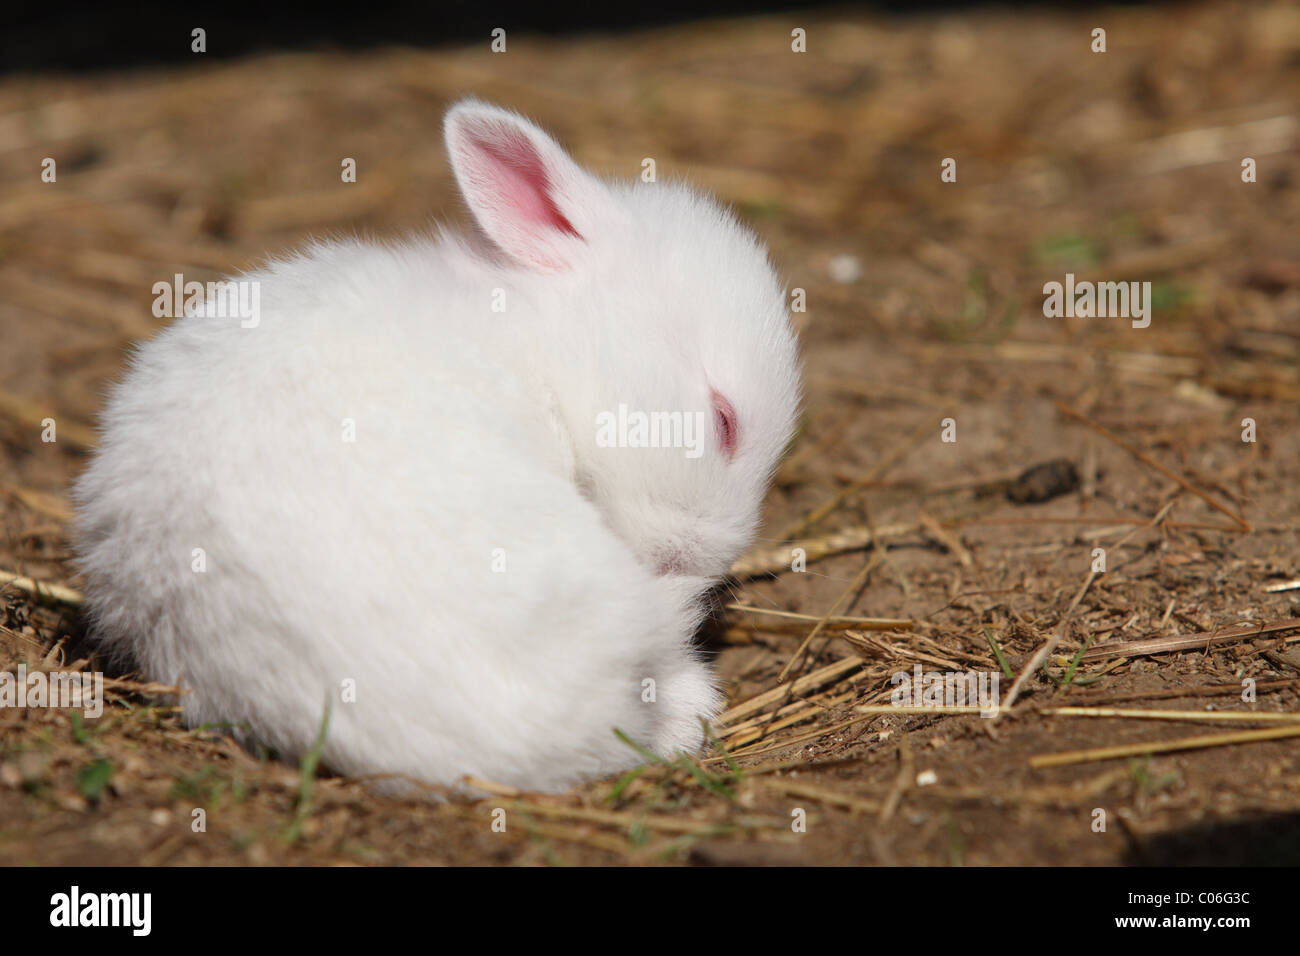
x,y
724,419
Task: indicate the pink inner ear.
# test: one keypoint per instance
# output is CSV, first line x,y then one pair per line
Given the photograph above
x,y
520,175
724,416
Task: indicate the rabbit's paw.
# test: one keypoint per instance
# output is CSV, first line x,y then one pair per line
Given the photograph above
x,y
682,700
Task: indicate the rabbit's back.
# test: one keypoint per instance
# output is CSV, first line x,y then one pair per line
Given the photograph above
x,y
362,511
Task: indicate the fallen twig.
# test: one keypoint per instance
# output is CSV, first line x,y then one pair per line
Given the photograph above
x,y
1155,747
41,590
1166,645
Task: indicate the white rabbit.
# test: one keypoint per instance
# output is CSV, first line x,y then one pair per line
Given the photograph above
x,y
398,489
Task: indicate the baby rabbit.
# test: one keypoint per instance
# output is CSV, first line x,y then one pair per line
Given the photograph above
x,y
473,491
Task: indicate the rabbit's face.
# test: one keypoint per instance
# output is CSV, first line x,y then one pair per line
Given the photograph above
x,y
696,382
673,366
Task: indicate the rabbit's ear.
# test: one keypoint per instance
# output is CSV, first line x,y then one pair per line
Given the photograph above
x,y
530,198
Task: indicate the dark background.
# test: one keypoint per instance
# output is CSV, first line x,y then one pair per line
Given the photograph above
x,y
82,35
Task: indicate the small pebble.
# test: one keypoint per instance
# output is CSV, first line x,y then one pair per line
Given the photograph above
x,y
1044,482
845,268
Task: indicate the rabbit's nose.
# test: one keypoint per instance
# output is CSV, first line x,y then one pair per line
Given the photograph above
x,y
670,563
674,558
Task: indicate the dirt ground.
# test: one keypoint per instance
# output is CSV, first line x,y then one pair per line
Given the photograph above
x,y
924,304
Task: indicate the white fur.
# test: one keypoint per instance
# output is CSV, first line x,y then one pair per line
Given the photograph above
x,y
372,561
